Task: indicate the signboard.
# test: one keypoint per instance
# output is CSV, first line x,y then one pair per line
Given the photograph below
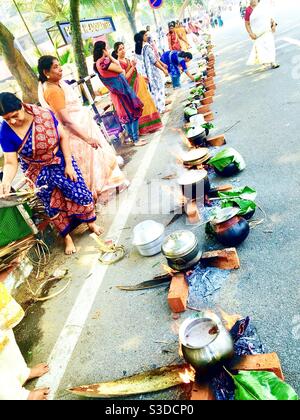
x,y
90,28
156,4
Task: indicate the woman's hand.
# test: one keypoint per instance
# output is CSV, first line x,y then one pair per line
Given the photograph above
x,y
253,36
166,72
95,143
4,190
133,63
70,172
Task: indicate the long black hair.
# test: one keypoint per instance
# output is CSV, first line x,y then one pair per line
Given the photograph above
x,y
44,64
116,47
9,103
139,39
98,52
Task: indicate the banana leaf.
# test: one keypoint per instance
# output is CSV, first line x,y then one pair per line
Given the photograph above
x,y
264,386
245,193
227,156
151,381
243,198
246,206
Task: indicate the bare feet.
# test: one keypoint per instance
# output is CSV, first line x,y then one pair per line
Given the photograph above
x,y
168,102
95,228
69,246
165,111
39,394
38,371
140,143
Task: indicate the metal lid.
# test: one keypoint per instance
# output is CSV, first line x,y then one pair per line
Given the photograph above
x,y
191,177
179,243
195,131
147,232
195,154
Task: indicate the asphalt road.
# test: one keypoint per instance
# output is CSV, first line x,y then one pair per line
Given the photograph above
x,y
94,332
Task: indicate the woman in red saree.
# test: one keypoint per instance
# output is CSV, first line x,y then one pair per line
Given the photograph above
x,y
173,40
127,105
150,120
32,135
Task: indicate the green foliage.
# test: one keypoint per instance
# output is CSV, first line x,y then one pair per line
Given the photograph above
x,y
263,386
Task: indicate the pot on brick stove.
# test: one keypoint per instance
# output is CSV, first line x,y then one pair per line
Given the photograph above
x,y
230,230
197,136
182,250
195,184
205,341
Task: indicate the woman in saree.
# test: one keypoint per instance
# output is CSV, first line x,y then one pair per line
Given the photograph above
x,y
14,372
150,120
261,27
127,105
173,40
154,70
96,159
182,36
33,135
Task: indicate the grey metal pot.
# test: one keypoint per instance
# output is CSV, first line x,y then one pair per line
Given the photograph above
x,y
181,248
205,341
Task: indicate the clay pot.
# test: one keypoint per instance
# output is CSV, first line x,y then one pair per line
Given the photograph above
x,y
229,171
233,232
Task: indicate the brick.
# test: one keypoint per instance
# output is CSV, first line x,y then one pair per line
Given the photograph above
x,y
178,294
217,141
260,362
201,392
207,101
226,259
209,79
211,86
192,212
209,94
211,73
204,109
209,117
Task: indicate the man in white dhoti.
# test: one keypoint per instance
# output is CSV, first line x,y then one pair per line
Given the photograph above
x,y
261,27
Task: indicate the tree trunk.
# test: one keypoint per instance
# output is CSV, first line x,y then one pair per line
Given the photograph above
x,y
77,42
130,13
18,66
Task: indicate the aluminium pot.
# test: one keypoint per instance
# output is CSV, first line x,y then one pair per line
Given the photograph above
x,y
205,341
148,238
181,248
195,184
197,136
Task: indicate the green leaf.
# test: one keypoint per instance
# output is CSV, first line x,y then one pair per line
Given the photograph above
x,y
227,156
264,386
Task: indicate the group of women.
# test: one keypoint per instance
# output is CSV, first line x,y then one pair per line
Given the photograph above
x,y
60,147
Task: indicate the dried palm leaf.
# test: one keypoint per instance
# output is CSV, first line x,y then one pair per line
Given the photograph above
x,y
151,381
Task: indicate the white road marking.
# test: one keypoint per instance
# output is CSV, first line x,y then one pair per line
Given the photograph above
x,y
70,334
